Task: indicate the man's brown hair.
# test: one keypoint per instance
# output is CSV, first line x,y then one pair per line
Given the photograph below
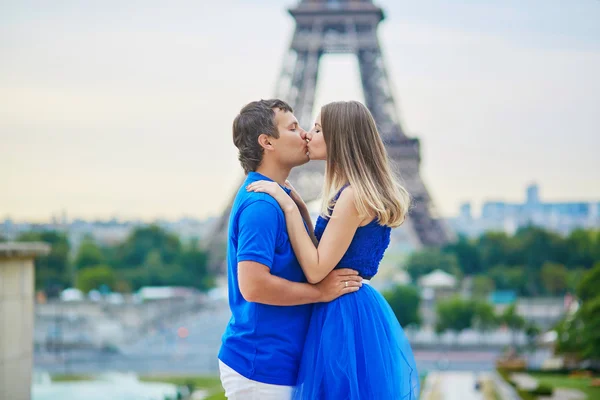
x,y
253,120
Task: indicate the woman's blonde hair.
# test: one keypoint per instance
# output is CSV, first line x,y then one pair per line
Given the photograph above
x,y
356,155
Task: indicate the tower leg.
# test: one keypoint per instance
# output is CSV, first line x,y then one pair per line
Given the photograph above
x,y
304,81
378,94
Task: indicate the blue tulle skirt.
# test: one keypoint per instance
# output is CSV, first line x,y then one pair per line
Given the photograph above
x,y
356,349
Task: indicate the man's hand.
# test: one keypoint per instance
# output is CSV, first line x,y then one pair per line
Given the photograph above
x,y
338,283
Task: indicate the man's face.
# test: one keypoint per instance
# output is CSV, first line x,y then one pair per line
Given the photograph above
x,y
290,146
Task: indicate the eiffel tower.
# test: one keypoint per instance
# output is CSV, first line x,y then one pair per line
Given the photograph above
x,y
348,26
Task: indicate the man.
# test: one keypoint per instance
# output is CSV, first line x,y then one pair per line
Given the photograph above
x,y
268,294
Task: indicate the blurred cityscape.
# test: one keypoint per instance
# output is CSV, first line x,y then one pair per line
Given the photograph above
x,y
561,217
138,297
120,108
497,215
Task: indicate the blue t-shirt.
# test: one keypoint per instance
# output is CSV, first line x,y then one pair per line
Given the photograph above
x,y
262,342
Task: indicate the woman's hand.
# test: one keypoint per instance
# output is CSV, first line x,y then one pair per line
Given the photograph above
x,y
295,195
273,189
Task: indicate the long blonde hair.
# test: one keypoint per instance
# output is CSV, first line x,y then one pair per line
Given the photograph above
x,y
356,155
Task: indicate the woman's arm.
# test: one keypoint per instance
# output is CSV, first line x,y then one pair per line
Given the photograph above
x,y
303,209
317,262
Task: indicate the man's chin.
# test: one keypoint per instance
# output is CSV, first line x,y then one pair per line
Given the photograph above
x,y
305,160
315,159
301,162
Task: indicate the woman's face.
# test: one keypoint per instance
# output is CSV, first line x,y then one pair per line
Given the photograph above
x,y
317,150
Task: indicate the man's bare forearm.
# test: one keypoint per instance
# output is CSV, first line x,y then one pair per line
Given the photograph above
x,y
277,291
259,286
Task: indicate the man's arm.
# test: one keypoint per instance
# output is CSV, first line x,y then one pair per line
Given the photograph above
x,y
260,225
257,285
318,261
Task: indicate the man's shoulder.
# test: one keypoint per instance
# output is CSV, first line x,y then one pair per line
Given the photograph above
x,y
257,202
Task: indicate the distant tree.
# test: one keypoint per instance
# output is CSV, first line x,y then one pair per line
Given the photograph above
x,y
589,313
93,277
496,248
574,278
516,262
579,334
554,278
189,268
454,314
596,247
52,272
194,264
508,278
457,314
122,286
482,286
158,273
532,331
467,255
590,284
151,272
484,316
535,246
582,246
428,260
405,302
569,336
135,250
152,256
149,256
512,320
89,254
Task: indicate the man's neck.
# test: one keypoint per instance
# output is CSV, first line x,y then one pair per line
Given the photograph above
x,y
275,172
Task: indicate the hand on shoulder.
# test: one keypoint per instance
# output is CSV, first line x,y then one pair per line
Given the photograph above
x,y
273,189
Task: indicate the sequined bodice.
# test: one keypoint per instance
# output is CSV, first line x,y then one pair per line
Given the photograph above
x,y
366,249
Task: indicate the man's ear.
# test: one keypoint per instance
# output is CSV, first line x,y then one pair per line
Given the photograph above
x,y
266,141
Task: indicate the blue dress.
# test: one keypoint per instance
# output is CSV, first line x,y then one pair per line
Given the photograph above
x,y
355,348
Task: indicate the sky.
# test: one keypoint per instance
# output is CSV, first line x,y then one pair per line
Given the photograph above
x,y
124,108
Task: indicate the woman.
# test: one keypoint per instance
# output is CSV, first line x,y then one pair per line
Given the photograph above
x,y
355,347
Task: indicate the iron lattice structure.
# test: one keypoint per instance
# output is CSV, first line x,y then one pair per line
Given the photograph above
x,y
350,26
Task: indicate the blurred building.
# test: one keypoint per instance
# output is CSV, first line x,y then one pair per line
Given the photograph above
x,y
109,232
439,281
433,287
561,217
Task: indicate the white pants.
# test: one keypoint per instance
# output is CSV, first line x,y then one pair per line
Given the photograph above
x,y
238,387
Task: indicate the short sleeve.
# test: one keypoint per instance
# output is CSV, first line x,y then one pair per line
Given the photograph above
x,y
258,229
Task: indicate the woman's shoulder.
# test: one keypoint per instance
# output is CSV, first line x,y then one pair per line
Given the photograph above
x,y
346,190
348,197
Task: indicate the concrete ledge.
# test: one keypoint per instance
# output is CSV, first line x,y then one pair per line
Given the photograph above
x,y
17,277
23,249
